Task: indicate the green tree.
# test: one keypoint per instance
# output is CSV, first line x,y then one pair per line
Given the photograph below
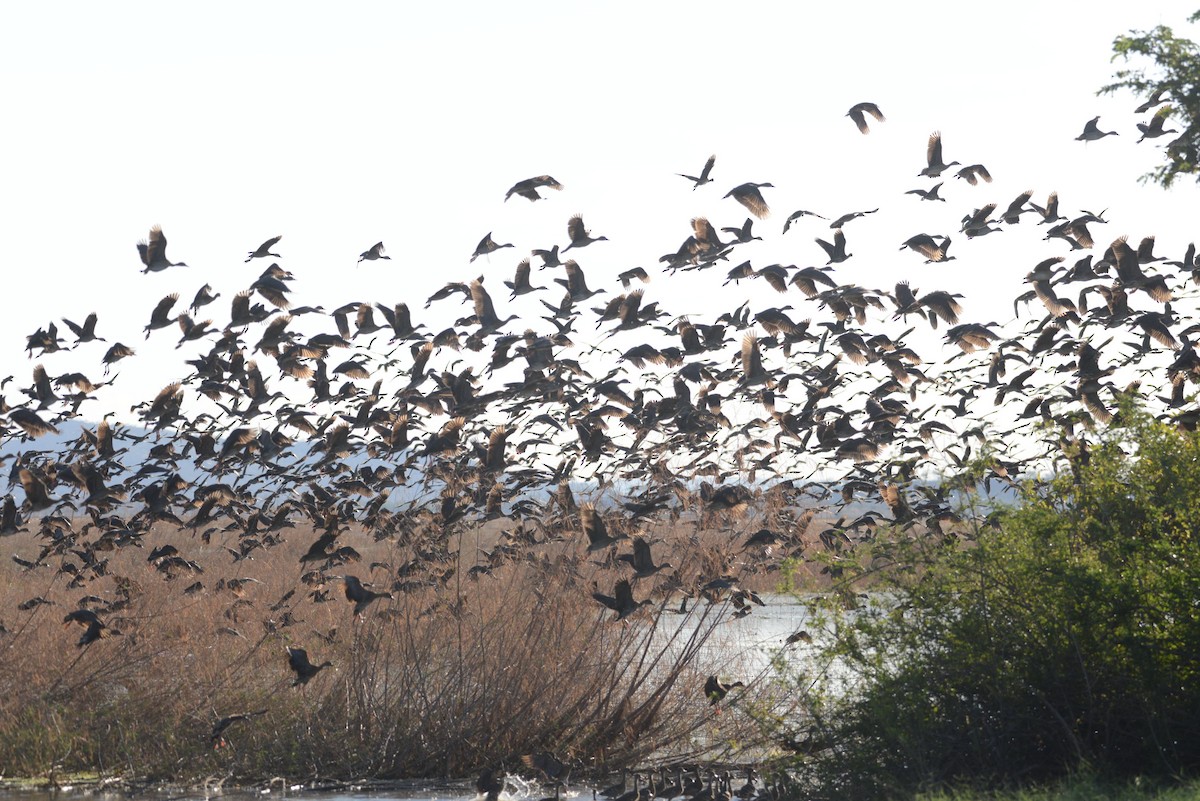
x,y
1172,75
1065,639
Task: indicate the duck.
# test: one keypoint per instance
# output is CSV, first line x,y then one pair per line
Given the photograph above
x,y
154,252
933,155
579,235
750,196
302,667
859,111
1092,132
703,178
716,690
264,250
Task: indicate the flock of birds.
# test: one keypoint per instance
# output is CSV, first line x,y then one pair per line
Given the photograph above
x,y
819,420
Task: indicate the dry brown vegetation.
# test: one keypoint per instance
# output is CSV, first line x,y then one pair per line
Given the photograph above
x,y
460,669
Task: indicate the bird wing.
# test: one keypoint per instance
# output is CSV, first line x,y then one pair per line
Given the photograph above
x,y
575,229
749,196
484,311
856,114
156,248
933,150
641,554
624,593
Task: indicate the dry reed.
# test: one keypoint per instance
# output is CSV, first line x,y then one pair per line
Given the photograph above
x,y
459,669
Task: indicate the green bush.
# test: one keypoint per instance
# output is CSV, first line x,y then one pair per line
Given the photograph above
x,y
1063,639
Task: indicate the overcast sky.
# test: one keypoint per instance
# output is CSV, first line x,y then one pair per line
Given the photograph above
x,y
339,126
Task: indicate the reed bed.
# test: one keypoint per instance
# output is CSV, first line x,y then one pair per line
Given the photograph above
x,y
459,670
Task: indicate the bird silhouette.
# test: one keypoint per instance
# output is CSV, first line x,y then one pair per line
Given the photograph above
x,y
715,690
703,178
595,530
520,285
973,172
836,250
933,157
264,250
217,737
1092,132
928,194
154,252
485,313
750,196
304,669
359,595
576,283
580,236
373,253
641,560
528,188
487,245
859,112
1154,128
86,332
621,601
94,628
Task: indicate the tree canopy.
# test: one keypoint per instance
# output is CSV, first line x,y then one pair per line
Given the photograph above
x,y
1171,77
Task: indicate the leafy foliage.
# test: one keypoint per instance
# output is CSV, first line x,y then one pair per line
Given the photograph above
x,y
1173,74
1065,639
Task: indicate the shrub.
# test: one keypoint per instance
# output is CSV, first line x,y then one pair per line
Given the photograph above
x,y
1064,638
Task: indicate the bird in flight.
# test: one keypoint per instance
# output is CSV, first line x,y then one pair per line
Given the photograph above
x,y
859,112
154,252
529,187
376,251
933,155
748,195
1092,132
264,250
703,179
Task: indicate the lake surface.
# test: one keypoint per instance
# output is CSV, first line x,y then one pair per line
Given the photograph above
x,y
517,789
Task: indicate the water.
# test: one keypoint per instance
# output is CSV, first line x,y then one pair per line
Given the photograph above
x,y
745,647
516,789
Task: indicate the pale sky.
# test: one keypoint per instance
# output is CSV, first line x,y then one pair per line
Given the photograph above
x,y
339,126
